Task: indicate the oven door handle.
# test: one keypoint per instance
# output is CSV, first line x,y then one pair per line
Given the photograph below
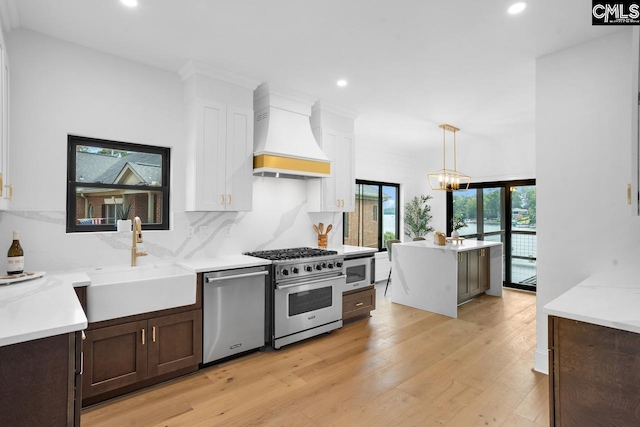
x,y
311,282
236,276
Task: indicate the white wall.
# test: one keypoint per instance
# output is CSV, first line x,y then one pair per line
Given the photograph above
x,y
59,88
483,160
386,166
583,150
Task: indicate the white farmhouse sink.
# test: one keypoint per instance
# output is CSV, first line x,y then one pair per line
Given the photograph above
x,y
125,291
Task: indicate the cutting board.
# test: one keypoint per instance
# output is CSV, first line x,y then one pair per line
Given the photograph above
x,y
7,280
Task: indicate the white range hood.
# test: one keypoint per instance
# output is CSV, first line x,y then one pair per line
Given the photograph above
x,y
284,145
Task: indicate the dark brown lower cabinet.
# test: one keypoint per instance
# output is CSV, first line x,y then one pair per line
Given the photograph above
x,y
132,355
594,375
39,382
473,273
358,303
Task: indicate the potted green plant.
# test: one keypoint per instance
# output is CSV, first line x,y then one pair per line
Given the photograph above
x,y
457,222
122,214
417,216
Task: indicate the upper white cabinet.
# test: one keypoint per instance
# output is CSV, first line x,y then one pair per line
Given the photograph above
x,y
6,188
633,189
220,151
333,128
219,133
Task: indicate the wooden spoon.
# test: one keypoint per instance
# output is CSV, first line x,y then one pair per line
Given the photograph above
x,y
328,229
321,225
315,227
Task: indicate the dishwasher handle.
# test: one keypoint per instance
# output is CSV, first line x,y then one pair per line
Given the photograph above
x,y
236,276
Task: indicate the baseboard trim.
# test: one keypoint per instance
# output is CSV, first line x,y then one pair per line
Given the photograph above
x,y
541,361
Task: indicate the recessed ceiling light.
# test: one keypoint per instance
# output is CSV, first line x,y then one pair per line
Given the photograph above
x,y
341,83
516,8
130,3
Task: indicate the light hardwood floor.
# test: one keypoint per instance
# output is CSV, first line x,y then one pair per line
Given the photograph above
x,y
400,367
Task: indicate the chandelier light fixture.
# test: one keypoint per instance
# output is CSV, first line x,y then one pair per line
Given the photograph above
x,y
448,179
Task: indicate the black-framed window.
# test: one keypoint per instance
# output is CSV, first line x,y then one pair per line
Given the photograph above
x,y
376,216
111,180
503,211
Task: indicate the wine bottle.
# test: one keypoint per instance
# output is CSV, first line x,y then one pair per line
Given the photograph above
x,y
15,256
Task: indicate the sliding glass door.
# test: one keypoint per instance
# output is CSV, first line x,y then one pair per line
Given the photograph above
x,y
375,218
523,260
502,212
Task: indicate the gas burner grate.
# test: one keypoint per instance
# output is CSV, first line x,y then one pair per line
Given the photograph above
x,y
291,253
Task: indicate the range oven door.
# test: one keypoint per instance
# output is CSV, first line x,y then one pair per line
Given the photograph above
x,y
307,308
358,271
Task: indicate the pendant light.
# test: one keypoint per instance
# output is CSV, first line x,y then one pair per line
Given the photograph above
x,y
448,179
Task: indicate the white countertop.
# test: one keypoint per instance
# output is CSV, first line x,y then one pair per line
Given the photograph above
x,y
222,262
41,308
49,306
609,298
348,250
465,245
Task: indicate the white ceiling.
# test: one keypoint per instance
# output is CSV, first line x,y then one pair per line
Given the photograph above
x,y
410,64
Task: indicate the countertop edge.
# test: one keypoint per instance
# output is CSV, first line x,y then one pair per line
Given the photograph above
x,y
66,301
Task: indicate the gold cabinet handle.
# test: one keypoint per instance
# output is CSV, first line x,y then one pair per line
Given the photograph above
x,y
222,199
10,187
229,203
360,304
1,186
142,336
84,337
459,256
338,203
153,334
629,194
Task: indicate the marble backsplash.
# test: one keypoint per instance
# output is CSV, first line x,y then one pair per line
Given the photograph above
x,y
271,224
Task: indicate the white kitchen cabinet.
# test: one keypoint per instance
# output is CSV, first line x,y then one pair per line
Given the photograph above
x,y
337,193
633,188
219,157
6,188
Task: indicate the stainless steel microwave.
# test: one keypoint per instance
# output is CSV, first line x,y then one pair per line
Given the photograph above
x,y
359,272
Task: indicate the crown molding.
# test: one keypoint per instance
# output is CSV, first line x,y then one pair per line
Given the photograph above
x,y
195,67
335,109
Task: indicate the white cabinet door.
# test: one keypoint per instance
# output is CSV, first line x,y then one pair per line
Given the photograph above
x,y
220,157
239,159
345,172
6,189
208,192
337,193
633,189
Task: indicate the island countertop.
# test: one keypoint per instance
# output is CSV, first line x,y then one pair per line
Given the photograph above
x,y
465,245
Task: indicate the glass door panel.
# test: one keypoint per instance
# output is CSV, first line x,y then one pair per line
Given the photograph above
x,y
389,221
506,213
523,237
465,204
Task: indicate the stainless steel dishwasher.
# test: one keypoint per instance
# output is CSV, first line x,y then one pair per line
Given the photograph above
x,y
233,309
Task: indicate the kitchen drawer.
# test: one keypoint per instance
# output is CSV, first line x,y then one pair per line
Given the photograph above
x,y
358,303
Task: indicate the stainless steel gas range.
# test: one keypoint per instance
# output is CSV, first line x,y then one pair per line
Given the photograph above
x,y
304,298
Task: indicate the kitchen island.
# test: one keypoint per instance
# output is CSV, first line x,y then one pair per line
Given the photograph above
x,y
438,278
